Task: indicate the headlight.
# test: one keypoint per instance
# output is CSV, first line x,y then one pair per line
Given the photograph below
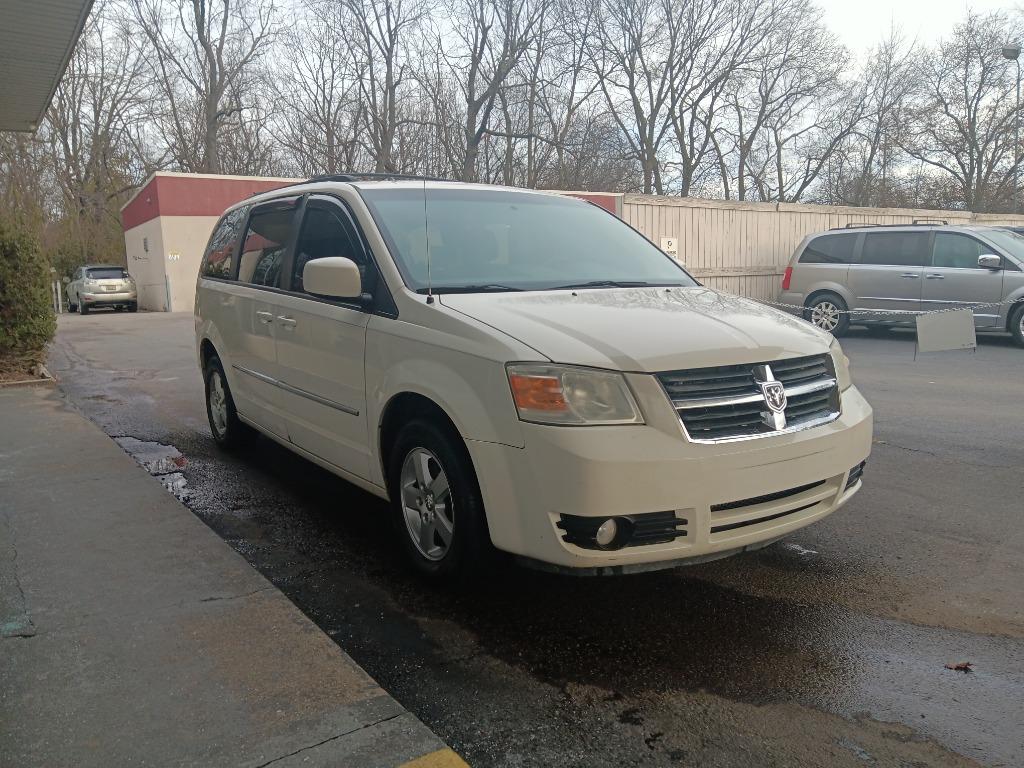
x,y
563,394
842,365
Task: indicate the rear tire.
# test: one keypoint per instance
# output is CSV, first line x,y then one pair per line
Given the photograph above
x,y
133,307
227,429
436,501
1017,325
82,309
827,312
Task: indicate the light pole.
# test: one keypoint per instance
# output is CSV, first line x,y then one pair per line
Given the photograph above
x,y
1013,52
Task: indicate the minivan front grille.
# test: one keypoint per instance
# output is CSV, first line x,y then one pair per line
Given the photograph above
x,y
731,402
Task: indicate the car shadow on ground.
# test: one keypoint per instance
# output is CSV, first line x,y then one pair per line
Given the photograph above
x,y
332,549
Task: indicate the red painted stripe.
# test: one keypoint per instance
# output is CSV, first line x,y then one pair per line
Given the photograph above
x,y
190,196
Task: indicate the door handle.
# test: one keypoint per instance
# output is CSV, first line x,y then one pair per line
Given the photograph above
x,y
934,276
287,322
910,275
265,317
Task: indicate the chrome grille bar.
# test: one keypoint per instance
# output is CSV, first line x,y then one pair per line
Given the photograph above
x,y
730,403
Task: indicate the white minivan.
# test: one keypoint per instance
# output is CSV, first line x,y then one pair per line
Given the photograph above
x,y
522,371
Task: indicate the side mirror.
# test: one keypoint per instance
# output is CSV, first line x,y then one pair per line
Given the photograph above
x,y
990,261
65,280
334,277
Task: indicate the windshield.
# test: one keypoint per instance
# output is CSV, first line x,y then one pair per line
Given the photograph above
x,y
106,273
1008,241
506,240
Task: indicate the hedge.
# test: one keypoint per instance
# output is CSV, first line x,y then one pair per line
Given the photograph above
x,y
27,321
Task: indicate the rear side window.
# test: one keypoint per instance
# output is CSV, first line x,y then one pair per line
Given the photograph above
x,y
957,251
266,239
829,249
218,260
899,249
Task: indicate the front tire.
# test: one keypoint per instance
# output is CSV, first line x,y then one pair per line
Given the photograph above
x,y
1017,326
435,497
227,429
828,312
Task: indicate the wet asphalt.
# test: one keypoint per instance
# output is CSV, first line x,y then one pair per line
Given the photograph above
x,y
827,649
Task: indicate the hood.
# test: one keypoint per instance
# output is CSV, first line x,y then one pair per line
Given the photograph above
x,y
644,329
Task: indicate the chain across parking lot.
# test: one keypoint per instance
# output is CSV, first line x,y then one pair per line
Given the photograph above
x,y
911,312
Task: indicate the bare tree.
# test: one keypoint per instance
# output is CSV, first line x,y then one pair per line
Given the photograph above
x,y
319,110
631,53
867,166
206,51
90,128
489,40
962,123
378,37
790,109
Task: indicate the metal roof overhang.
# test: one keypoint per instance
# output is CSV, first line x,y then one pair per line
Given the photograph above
x,y
36,41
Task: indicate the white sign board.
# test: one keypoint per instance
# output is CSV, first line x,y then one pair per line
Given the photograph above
x,y
670,245
940,331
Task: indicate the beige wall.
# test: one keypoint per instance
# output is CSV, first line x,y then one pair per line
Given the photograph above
x,y
184,240
171,265
744,247
145,258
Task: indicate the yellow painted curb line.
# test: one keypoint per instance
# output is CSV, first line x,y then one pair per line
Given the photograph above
x,y
443,758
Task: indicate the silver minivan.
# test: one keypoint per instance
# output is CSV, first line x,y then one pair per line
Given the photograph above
x,y
895,270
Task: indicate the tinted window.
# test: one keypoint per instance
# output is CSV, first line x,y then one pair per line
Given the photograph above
x,y
503,240
902,249
107,273
829,249
326,232
263,248
217,262
958,251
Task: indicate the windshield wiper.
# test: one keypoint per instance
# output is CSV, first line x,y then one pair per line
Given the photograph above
x,y
612,284
481,288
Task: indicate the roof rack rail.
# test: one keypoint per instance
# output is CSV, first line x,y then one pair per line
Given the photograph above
x,y
351,176
914,223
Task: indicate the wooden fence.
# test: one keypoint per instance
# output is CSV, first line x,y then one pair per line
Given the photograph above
x,y
744,248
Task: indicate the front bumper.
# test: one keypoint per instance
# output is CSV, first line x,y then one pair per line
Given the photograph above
x,y
614,471
110,299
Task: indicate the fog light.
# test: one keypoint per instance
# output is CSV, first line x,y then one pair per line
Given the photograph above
x,y
607,532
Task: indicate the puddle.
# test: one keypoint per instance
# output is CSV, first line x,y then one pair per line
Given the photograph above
x,y
164,462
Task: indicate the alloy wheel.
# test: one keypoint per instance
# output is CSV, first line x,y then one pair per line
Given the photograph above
x,y
218,404
825,315
427,504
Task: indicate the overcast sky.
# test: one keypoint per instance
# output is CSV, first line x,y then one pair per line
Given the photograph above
x,y
862,23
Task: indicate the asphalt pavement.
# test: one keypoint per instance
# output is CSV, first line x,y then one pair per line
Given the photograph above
x,y
829,648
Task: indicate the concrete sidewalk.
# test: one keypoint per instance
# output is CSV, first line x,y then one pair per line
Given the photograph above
x,y
133,635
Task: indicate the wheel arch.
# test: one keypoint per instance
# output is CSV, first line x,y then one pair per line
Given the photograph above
x,y
206,351
402,408
820,290
1015,308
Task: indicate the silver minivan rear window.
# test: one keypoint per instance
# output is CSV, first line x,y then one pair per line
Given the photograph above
x,y
829,249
